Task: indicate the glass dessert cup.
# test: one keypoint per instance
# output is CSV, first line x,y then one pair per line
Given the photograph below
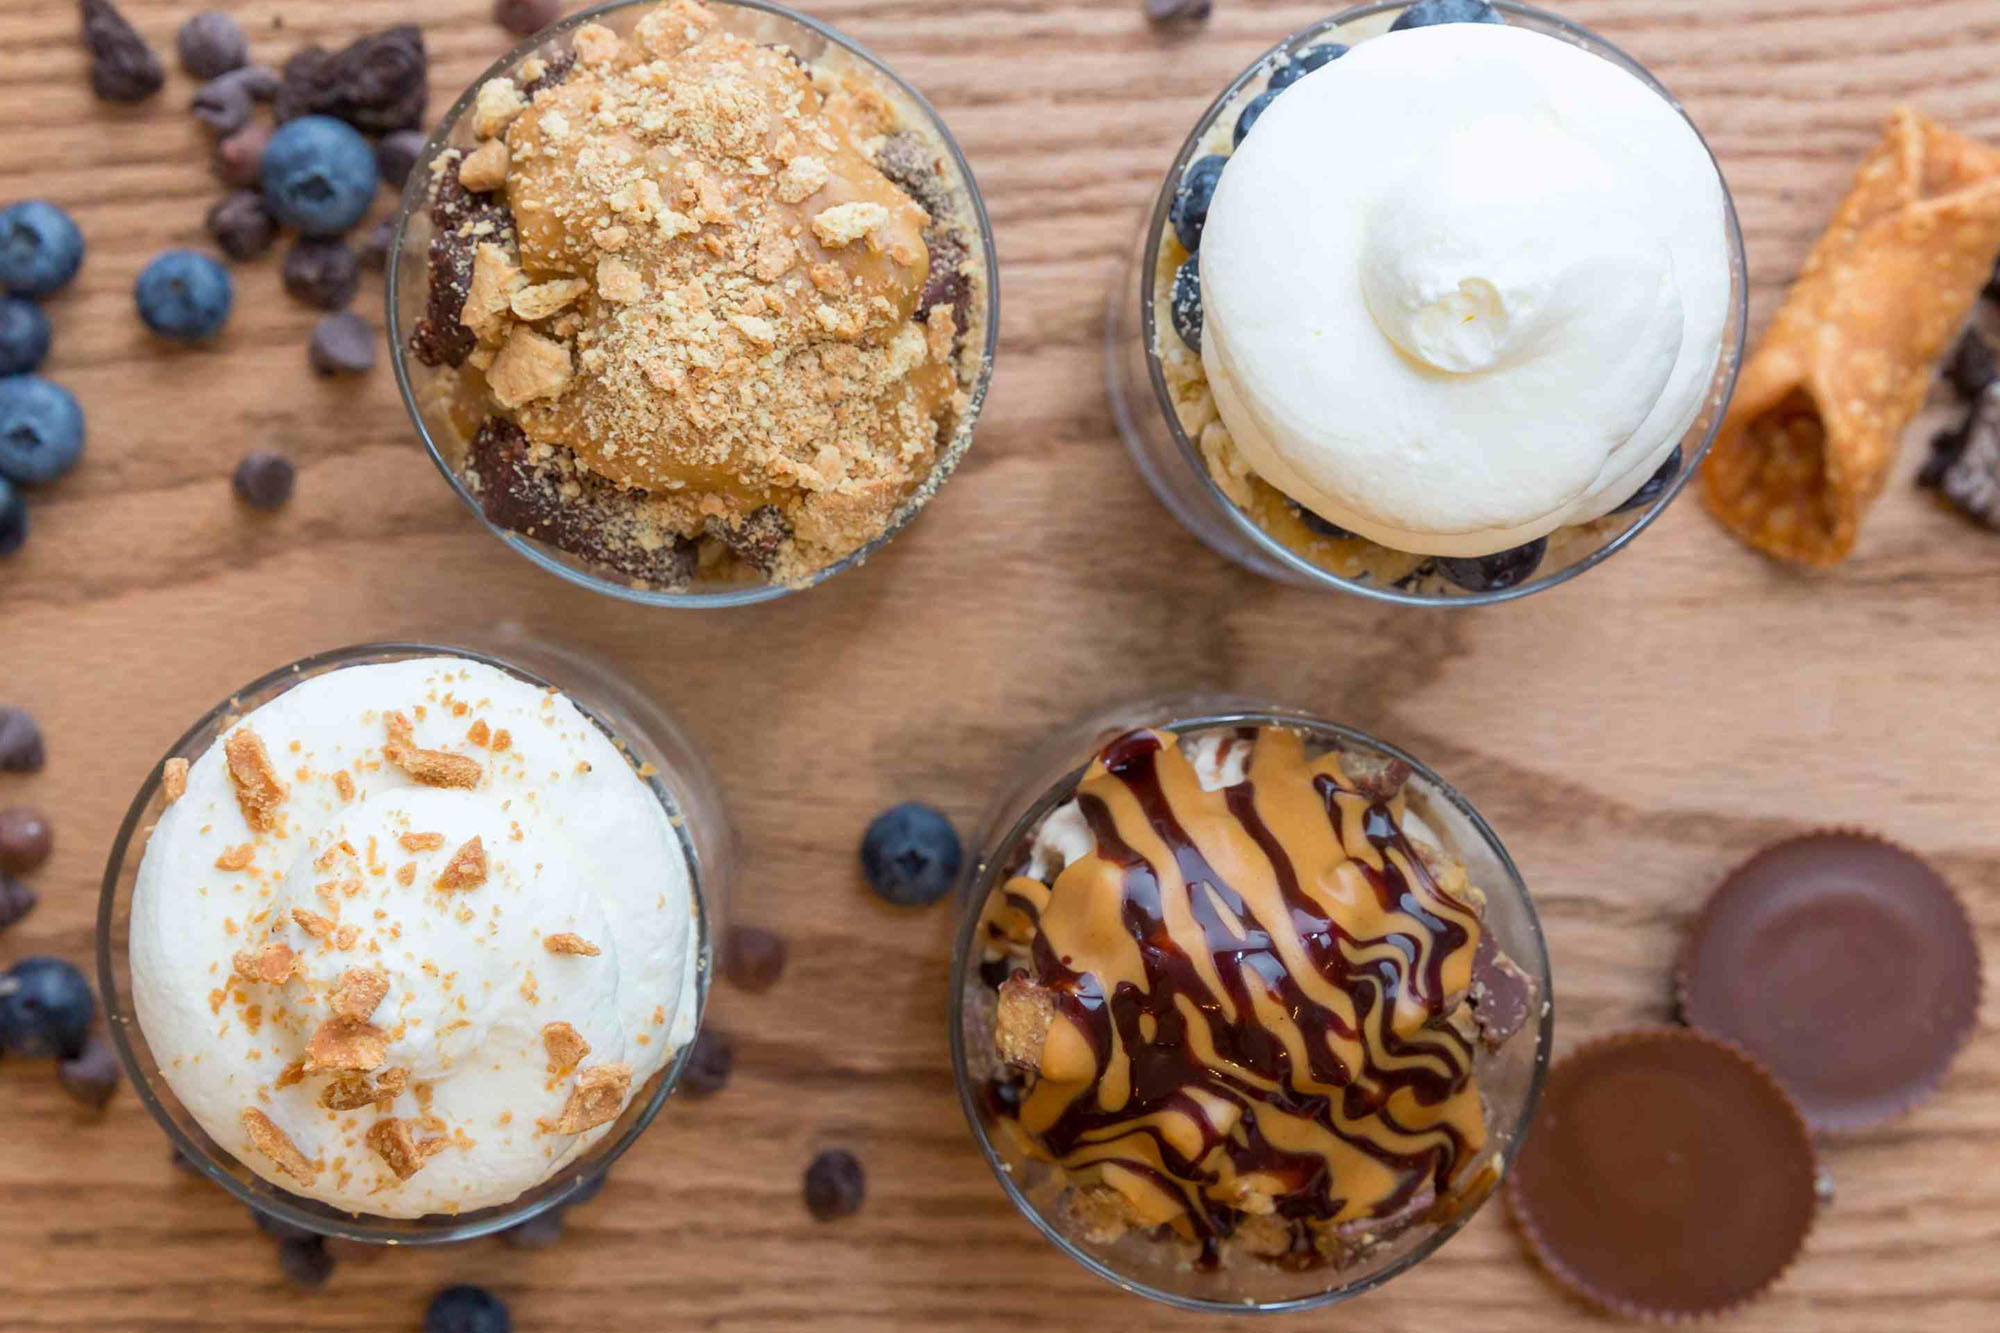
x,y
1509,1077
1172,462
680,781
425,390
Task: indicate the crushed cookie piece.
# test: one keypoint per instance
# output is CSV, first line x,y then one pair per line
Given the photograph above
x,y
547,298
393,1143
1026,1012
406,874
489,299
485,167
343,785
174,780
566,942
420,842
619,282
565,1045
596,44
494,107
272,965
802,178
258,790
479,733
597,1098
466,869
277,1145
351,1092
346,1044
291,1075
529,367
432,768
843,224
238,857
312,923
358,992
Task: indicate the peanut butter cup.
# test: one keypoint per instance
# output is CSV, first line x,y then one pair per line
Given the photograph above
x,y
1666,1176
1845,964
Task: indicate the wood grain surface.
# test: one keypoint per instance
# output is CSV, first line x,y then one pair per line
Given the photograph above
x,y
1631,734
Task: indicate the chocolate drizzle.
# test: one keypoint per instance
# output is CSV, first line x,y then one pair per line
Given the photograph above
x,y
1268,980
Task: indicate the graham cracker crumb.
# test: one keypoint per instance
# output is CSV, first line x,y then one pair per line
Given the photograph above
x,y
485,167
346,1044
406,874
494,107
258,791
565,1045
277,1145
420,842
358,992
843,224
597,1098
466,869
351,1092
174,779
393,1143
272,965
1021,1026
312,923
528,367
547,298
238,857
343,785
489,298
566,942
432,768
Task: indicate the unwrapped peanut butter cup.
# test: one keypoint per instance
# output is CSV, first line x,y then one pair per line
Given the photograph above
x,y
1846,965
1666,1176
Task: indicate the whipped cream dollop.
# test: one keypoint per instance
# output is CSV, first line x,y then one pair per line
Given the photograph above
x,y
412,936
1463,286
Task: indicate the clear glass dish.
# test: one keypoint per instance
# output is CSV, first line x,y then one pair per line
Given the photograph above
x,y
408,282
1510,1078
682,784
1172,463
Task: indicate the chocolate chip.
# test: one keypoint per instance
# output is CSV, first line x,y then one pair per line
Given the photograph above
x,y
122,67
264,479
25,839
708,1065
16,900
211,44
20,742
322,272
372,250
238,157
1972,367
539,1232
1164,13
377,83
396,154
525,18
342,344
835,1185
753,958
308,1263
223,105
90,1076
240,225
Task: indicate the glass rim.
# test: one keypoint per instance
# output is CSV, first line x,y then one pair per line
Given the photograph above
x,y
1296,566
978,881
310,1214
414,200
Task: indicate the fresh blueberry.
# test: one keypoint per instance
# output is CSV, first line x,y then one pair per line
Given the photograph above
x,y
13,519
467,1310
1490,573
911,854
1315,524
318,174
1189,211
184,295
24,335
40,248
1305,62
41,430
1656,483
1185,306
45,1009
1252,109
1429,13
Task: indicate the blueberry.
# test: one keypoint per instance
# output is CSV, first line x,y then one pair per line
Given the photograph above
x,y
1251,110
1315,524
911,854
1490,573
40,248
467,1310
318,174
1305,62
45,1009
184,295
24,335
1429,13
13,519
1189,211
1656,483
1186,303
41,430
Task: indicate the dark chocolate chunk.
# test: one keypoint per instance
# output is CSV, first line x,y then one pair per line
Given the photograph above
x,y
211,44
439,339
1846,965
90,1076
237,159
323,272
223,105
835,1185
1172,13
525,18
1376,776
20,742
454,208
1502,995
757,538
264,479
1972,367
1969,480
1666,1176
241,226
26,840
342,344
708,1065
376,83
16,900
753,958
555,69
122,67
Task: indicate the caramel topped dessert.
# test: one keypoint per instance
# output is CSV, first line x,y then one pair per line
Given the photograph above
x,y
717,313
1241,997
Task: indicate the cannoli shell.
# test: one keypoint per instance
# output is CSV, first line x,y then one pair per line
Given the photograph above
x,y
1808,440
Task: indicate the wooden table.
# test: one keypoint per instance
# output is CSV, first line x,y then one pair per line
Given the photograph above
x,y
1631,735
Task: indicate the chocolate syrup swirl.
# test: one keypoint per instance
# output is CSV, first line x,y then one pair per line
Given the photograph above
x,y
1258,1000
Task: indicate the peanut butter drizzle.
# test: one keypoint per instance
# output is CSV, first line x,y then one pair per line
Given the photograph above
x,y
1255,989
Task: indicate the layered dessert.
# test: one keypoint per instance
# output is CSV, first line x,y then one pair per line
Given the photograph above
x,y
1425,353
1240,1000
700,310
411,935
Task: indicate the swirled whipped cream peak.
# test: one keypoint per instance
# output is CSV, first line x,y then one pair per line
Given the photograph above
x,y
410,935
1463,286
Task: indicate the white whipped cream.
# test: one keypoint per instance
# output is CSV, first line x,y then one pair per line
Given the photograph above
x,y
575,842
1463,286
